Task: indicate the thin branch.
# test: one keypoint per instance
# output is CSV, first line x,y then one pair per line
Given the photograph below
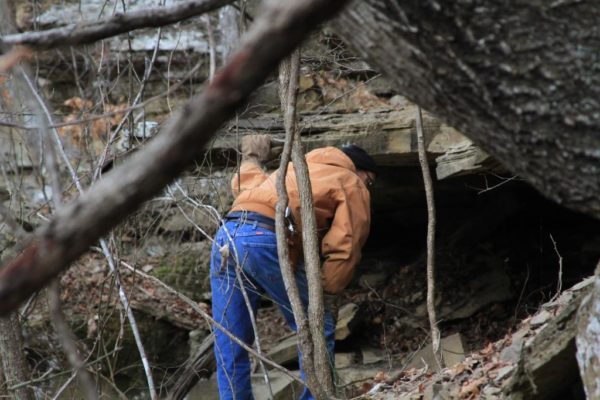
x,y
211,321
212,49
309,231
82,222
560,269
64,386
132,321
66,337
138,97
92,31
435,332
305,341
68,342
106,115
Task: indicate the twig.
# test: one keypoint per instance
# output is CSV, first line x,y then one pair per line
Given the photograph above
x,y
504,180
64,387
45,376
92,31
521,295
82,222
560,270
69,343
54,132
211,321
435,332
132,321
65,336
10,221
199,365
113,135
212,49
67,339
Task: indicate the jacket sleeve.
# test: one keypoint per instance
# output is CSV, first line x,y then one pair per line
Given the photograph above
x,y
250,176
342,245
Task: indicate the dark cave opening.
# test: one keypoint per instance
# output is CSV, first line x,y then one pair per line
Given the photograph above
x,y
500,248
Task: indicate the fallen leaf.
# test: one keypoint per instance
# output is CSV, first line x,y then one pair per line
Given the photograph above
x,y
380,376
471,388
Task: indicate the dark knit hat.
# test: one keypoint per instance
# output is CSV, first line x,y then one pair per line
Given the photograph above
x,y
361,159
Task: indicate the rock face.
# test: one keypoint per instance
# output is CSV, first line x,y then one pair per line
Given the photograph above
x,y
501,74
587,341
547,366
339,103
453,352
282,388
388,134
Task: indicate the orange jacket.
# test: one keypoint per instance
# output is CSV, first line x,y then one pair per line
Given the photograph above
x,y
341,202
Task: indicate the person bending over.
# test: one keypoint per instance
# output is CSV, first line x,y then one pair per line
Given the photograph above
x,y
244,253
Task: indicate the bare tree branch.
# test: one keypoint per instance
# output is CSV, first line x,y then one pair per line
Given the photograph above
x,y
13,360
89,32
69,342
211,322
131,318
79,224
107,114
66,337
309,229
311,340
435,332
305,342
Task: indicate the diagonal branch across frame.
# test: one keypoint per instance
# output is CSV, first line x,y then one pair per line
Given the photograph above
x,y
92,31
82,222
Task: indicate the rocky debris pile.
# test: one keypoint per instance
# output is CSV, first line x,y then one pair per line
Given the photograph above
x,y
537,361
395,301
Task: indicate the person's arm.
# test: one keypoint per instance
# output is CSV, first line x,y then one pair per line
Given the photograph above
x,y
255,152
342,245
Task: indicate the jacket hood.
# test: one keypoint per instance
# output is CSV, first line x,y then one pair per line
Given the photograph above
x,y
330,156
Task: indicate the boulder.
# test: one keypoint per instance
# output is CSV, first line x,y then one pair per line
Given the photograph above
x,y
453,352
547,367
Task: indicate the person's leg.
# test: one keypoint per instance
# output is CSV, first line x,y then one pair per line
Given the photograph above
x,y
329,327
270,279
230,310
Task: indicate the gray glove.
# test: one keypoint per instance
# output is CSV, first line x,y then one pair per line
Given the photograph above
x,y
256,148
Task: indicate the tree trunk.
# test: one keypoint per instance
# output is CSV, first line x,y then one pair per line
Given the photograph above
x,y
3,388
518,77
229,31
14,364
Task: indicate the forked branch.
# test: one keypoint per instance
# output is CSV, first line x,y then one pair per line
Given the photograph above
x,y
92,31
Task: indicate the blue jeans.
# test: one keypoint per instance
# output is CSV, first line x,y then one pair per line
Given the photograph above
x,y
259,272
